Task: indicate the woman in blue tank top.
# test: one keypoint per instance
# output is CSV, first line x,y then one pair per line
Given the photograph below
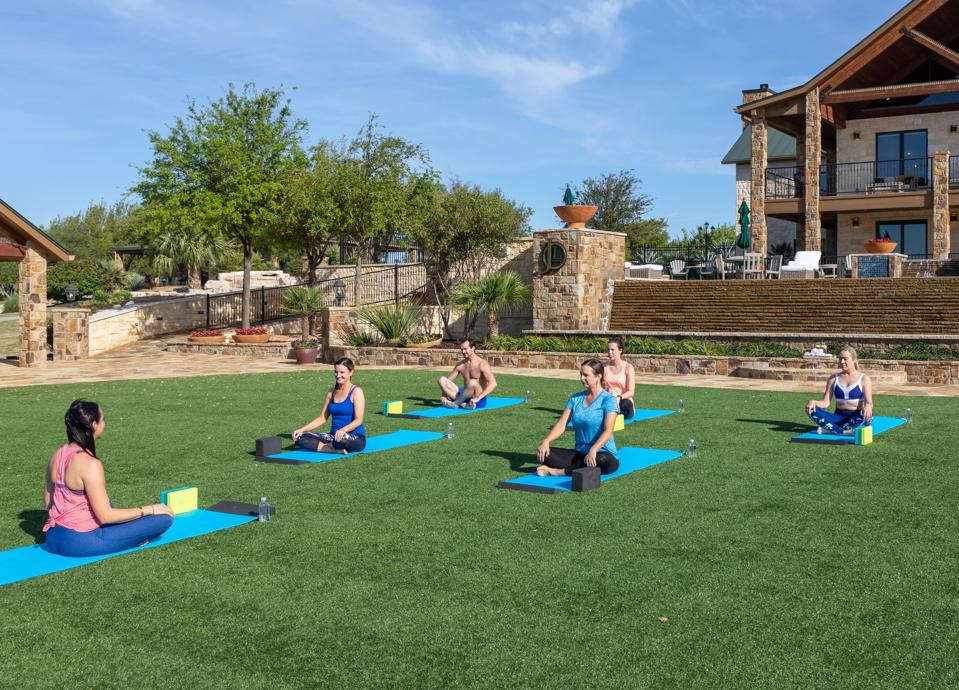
x,y
345,405
852,391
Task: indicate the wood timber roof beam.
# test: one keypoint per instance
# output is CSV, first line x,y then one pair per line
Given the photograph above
x,y
946,55
899,91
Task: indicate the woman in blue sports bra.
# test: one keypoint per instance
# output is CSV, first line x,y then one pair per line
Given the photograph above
x,y
345,405
852,391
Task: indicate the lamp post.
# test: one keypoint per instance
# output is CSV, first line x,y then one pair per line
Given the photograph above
x,y
71,291
339,291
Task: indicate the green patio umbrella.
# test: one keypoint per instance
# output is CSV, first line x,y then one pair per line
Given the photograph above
x,y
744,240
568,197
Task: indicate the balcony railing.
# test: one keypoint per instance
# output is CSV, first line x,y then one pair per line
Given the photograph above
x,y
954,172
870,177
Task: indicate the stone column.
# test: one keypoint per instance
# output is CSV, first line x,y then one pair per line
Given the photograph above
x,y
758,163
71,334
801,175
33,308
576,296
813,157
940,206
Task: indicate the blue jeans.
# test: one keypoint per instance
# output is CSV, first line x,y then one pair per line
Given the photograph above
x,y
107,538
839,421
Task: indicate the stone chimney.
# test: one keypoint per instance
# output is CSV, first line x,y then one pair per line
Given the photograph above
x,y
750,95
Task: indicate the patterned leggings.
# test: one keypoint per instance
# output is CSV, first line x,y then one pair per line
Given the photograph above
x,y
837,422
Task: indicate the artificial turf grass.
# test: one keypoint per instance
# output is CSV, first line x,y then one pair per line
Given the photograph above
x,y
772,563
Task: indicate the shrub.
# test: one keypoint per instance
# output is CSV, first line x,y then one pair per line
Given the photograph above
x,y
11,303
305,344
252,330
85,275
102,298
136,280
303,301
393,322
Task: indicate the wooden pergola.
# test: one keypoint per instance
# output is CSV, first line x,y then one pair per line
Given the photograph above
x,y
912,55
33,249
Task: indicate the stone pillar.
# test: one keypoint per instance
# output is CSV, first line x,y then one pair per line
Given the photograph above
x,y
576,296
758,164
33,308
813,157
71,334
940,206
800,189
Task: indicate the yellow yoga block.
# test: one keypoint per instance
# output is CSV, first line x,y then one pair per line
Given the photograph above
x,y
864,435
393,407
620,423
181,500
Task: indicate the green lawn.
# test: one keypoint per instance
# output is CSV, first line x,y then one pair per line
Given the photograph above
x,y
760,563
9,337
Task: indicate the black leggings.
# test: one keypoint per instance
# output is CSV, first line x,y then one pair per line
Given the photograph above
x,y
569,460
626,408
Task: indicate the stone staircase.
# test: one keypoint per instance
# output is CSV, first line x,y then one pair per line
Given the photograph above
x,y
868,306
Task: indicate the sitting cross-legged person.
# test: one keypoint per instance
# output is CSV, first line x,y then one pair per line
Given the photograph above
x,y
345,404
852,391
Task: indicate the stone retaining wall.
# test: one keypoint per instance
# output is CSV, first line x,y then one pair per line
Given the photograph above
x,y
934,372
249,350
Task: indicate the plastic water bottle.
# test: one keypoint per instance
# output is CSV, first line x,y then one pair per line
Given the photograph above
x,y
264,510
682,406
691,450
527,396
449,430
908,415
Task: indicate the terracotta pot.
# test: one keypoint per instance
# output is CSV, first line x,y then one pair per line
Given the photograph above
x,y
575,216
880,247
255,338
207,339
305,355
428,343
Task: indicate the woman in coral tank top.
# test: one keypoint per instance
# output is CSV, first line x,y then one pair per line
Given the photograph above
x,y
620,377
81,520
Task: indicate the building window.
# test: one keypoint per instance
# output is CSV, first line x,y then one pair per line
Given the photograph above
x,y
902,153
909,236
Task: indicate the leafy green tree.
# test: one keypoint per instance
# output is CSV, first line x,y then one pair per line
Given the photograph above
x,y
196,250
493,293
622,207
303,301
9,277
384,184
94,233
221,168
711,234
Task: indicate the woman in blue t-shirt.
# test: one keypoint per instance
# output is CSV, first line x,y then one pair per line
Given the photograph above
x,y
345,405
593,412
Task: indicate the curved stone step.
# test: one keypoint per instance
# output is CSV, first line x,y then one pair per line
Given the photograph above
x,y
810,374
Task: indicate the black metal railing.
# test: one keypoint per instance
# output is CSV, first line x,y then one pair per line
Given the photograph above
x,y
391,283
954,171
868,177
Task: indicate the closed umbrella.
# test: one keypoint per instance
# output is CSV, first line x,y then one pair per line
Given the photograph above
x,y
568,197
744,240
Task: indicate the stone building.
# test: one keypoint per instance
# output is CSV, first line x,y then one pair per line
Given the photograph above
x,y
875,138
33,249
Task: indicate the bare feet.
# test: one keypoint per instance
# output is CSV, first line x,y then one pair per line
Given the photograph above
x,y
546,471
468,405
446,402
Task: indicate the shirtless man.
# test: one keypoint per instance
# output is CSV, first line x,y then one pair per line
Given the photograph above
x,y
478,381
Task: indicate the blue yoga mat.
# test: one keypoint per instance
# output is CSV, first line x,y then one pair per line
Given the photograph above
x,y
373,444
879,425
32,561
640,416
440,412
630,460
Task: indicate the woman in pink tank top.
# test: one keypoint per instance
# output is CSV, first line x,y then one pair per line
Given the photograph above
x,y
619,377
81,521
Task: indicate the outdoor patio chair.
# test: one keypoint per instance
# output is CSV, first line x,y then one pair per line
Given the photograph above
x,y
723,268
804,261
775,263
708,269
677,269
753,266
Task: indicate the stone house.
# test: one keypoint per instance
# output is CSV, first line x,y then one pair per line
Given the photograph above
x,y
866,148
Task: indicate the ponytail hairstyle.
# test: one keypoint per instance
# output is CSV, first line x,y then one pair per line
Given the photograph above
x,y
597,366
80,418
344,362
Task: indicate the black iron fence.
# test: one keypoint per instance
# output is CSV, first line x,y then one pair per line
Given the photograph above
x,y
391,283
954,171
869,177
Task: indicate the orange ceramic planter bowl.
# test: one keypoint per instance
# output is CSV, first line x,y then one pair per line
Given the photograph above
x,y
258,338
207,339
880,247
575,216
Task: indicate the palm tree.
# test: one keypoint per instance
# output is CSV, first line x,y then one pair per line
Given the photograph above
x,y
494,292
303,301
196,250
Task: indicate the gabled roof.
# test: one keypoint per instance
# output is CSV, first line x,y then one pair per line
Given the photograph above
x,y
779,146
914,12
24,230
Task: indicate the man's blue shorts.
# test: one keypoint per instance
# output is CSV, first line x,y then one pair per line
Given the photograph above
x,y
480,404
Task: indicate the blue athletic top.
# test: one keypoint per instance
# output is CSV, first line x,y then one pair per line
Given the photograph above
x,y
342,413
588,421
852,393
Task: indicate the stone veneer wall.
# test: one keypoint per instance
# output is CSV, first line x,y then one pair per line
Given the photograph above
x,y
863,149
938,373
71,333
33,309
851,240
578,295
112,328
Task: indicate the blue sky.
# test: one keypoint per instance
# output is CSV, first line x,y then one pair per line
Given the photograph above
x,y
524,95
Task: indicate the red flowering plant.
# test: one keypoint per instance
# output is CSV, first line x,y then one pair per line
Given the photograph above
x,y
881,240
253,330
205,334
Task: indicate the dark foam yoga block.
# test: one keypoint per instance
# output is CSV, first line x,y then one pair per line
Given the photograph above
x,y
586,479
271,445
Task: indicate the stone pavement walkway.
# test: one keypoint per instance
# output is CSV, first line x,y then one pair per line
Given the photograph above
x,y
146,360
